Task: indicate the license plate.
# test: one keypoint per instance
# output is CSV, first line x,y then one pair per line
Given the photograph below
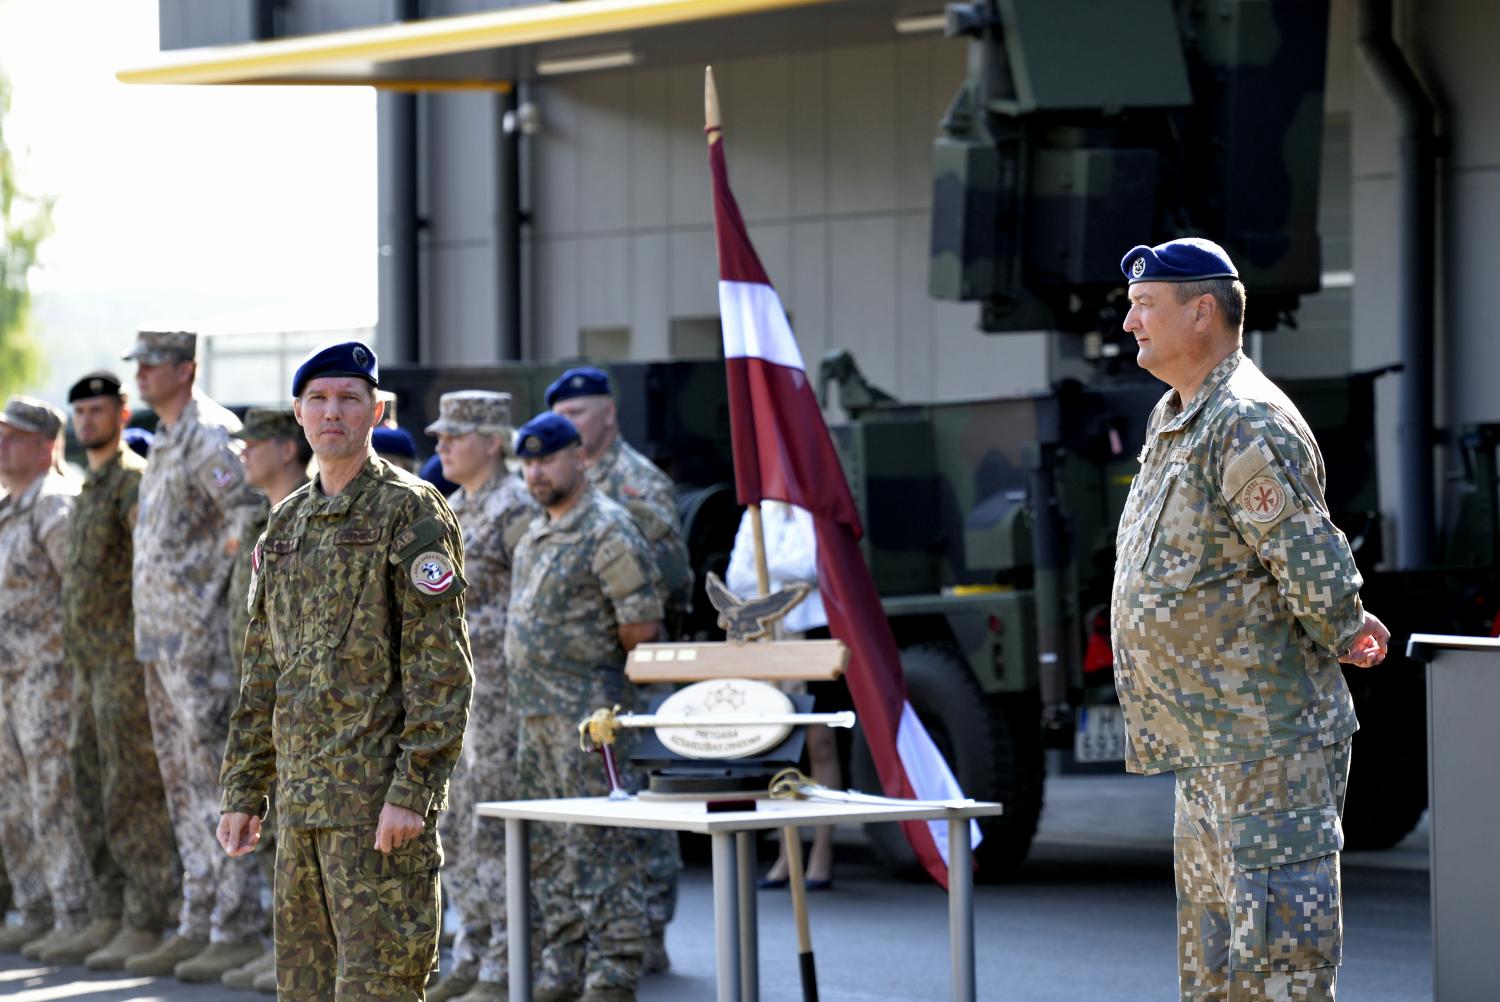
x,y
1100,734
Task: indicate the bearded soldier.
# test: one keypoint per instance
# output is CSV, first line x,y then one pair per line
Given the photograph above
x,y
123,808
495,509
357,650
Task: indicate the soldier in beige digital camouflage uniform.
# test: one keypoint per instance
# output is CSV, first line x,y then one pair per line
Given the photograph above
x,y
583,594
1235,598
355,698
622,474
275,457
495,509
194,506
39,835
123,808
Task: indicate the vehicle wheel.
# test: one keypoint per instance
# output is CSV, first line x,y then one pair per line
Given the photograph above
x,y
993,747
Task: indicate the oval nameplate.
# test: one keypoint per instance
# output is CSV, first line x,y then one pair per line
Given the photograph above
x,y
727,697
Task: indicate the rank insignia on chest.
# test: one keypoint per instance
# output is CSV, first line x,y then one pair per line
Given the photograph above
x,y
1263,499
432,573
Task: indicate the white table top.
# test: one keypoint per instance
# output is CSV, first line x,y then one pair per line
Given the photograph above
x,y
693,816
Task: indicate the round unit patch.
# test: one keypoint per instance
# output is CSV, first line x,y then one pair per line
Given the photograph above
x,y
1263,499
1138,267
432,572
722,697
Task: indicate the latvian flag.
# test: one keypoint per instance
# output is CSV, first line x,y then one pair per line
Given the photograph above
x,y
782,451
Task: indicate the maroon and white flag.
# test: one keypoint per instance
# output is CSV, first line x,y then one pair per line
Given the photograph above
x,y
783,452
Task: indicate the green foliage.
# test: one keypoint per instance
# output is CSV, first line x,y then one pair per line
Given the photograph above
x,y
25,221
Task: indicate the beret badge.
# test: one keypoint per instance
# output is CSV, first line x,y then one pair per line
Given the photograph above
x,y
1138,267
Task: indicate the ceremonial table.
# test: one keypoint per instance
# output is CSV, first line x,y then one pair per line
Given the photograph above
x,y
736,959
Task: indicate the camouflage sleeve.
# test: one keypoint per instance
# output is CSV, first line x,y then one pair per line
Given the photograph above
x,y
1271,483
436,672
249,756
627,574
51,520
513,525
221,476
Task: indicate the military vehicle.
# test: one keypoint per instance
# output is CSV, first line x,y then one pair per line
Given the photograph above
x,y
990,523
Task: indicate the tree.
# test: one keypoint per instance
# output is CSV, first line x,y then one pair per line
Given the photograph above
x,y
25,221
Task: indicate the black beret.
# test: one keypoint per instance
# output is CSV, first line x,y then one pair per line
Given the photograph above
x,y
347,358
586,381
95,384
1189,259
545,434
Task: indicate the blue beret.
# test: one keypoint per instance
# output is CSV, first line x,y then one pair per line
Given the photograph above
x,y
139,440
582,382
432,472
1189,259
388,441
347,358
545,434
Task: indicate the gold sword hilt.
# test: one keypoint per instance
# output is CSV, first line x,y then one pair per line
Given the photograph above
x,y
598,729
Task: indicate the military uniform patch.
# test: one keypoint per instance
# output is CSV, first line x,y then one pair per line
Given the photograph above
x,y
432,572
1263,499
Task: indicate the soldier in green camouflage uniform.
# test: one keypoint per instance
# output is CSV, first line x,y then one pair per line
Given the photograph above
x,y
622,474
583,594
39,834
275,457
194,504
1235,598
495,509
123,808
355,699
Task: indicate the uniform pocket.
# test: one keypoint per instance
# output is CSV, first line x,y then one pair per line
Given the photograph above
x,y
1177,534
1287,913
397,934
351,573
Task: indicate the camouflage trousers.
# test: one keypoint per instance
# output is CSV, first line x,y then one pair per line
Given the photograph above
x,y
352,922
661,855
189,727
1259,914
39,838
586,879
488,772
122,808
459,884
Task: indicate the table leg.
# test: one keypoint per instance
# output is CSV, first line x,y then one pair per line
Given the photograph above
x,y
961,910
518,909
749,931
726,919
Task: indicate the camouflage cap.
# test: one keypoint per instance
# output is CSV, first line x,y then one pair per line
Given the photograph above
x,y
463,411
33,415
158,347
262,423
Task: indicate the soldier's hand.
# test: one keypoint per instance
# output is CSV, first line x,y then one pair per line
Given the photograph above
x,y
397,827
1368,648
238,832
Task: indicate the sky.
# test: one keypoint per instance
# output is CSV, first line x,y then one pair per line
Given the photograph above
x,y
218,209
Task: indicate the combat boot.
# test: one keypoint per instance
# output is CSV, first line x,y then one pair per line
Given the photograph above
x,y
608,993
75,949
160,962
554,993
243,977
48,940
17,936
267,982
128,942
212,963
486,991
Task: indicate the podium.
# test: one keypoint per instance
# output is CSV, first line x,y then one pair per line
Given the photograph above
x,y
1463,745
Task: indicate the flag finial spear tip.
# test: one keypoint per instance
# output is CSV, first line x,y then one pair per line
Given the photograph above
x,y
711,120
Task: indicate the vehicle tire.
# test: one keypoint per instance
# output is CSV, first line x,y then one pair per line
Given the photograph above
x,y
992,746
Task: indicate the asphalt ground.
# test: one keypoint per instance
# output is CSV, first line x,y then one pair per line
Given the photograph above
x,y
1090,916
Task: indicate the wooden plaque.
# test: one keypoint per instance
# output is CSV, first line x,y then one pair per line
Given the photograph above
x,y
781,660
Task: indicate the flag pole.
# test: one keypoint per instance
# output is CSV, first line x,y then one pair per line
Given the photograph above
x,y
791,837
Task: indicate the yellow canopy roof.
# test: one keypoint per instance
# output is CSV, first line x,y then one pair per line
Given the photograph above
x,y
486,50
